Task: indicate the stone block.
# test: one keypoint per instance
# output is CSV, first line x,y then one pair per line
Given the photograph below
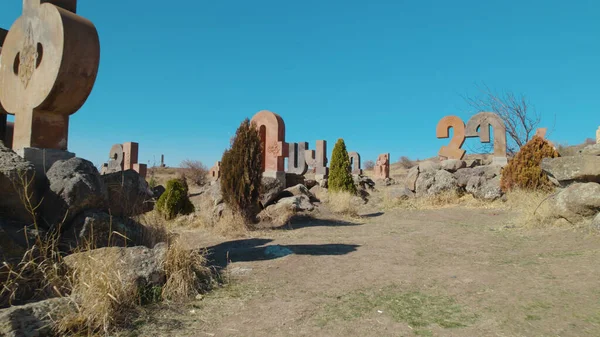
x,y
43,159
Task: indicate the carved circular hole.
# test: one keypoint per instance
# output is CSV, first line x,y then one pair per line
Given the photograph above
x,y
114,157
40,54
17,63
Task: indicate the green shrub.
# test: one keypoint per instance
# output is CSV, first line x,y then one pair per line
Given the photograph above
x,y
174,200
241,171
340,174
524,170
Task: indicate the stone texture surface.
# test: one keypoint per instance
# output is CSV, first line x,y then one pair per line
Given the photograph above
x,y
270,189
298,190
299,203
355,162
34,319
577,201
403,193
382,166
272,132
427,166
75,186
489,190
452,165
566,170
128,193
16,238
590,150
317,159
435,182
411,178
14,175
297,158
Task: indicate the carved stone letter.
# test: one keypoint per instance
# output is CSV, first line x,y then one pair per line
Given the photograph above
x,y
355,162
296,159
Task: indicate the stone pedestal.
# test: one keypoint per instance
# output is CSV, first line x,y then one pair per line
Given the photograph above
x,y
43,159
279,175
502,161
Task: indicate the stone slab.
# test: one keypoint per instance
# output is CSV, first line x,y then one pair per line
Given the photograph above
x,y
43,159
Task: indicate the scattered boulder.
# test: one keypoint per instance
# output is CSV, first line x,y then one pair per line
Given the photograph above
x,y
128,193
487,171
596,222
411,178
364,182
474,183
310,183
452,165
563,171
97,229
34,319
75,186
293,179
297,190
17,176
464,175
270,189
489,190
577,201
299,203
435,182
16,238
590,150
401,193
139,265
428,166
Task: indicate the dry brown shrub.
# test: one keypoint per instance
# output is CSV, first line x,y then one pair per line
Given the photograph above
x,y
195,172
524,170
343,203
442,200
187,273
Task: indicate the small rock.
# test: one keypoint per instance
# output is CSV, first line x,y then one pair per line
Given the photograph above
x,y
590,150
577,201
270,189
453,165
34,319
411,178
428,166
401,194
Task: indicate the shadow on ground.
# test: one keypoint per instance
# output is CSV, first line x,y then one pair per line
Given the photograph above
x,y
247,250
305,221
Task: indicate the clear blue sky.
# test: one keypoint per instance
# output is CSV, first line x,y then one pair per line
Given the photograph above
x,y
179,76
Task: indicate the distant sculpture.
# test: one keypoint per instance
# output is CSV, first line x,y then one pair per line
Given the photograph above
x,y
453,150
124,157
296,158
272,133
355,162
382,166
162,161
541,132
50,62
479,126
215,171
318,159
598,136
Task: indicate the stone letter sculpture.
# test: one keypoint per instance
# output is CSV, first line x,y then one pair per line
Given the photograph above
x,y
215,171
355,162
3,113
453,150
49,65
296,158
479,126
318,159
124,157
382,166
272,133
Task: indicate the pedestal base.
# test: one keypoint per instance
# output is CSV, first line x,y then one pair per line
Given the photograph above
x,y
43,159
502,161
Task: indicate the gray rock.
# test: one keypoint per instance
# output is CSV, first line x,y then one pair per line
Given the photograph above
x,y
475,182
489,190
596,222
435,182
566,170
98,230
428,166
75,186
310,183
590,150
34,319
463,175
139,265
453,165
318,191
411,178
298,203
577,201
16,177
16,238
487,171
270,189
401,193
297,190
128,193
158,191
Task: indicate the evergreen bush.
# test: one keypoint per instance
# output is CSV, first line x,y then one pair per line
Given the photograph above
x,y
241,171
524,170
340,174
174,200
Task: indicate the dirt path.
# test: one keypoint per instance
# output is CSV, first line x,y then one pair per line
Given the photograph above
x,y
446,272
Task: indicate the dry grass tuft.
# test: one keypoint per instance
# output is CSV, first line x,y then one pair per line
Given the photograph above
x,y
277,216
442,200
342,203
186,271
533,206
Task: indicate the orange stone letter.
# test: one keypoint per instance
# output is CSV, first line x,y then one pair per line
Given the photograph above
x,y
453,150
272,133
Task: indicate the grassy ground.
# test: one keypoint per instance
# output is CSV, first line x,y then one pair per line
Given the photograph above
x,y
449,271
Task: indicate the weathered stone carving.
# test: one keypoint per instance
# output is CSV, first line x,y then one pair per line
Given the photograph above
x,y
296,158
382,166
318,159
479,126
215,171
355,162
272,133
50,60
453,150
124,157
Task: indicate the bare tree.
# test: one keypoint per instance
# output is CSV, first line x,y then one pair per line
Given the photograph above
x,y
369,165
195,171
519,116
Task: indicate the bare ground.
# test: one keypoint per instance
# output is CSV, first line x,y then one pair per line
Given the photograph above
x,y
442,272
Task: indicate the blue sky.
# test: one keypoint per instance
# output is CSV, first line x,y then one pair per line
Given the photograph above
x,y
178,77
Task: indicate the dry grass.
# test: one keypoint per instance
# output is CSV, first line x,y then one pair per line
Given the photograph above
x,y
448,199
187,274
533,206
342,203
277,216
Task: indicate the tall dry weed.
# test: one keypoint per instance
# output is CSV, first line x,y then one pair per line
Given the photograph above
x,y
343,203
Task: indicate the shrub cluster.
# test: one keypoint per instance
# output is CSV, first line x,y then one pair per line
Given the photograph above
x,y
340,174
524,170
195,171
241,171
174,200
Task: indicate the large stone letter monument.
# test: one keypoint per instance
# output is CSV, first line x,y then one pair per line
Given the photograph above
x,y
49,64
479,126
272,133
